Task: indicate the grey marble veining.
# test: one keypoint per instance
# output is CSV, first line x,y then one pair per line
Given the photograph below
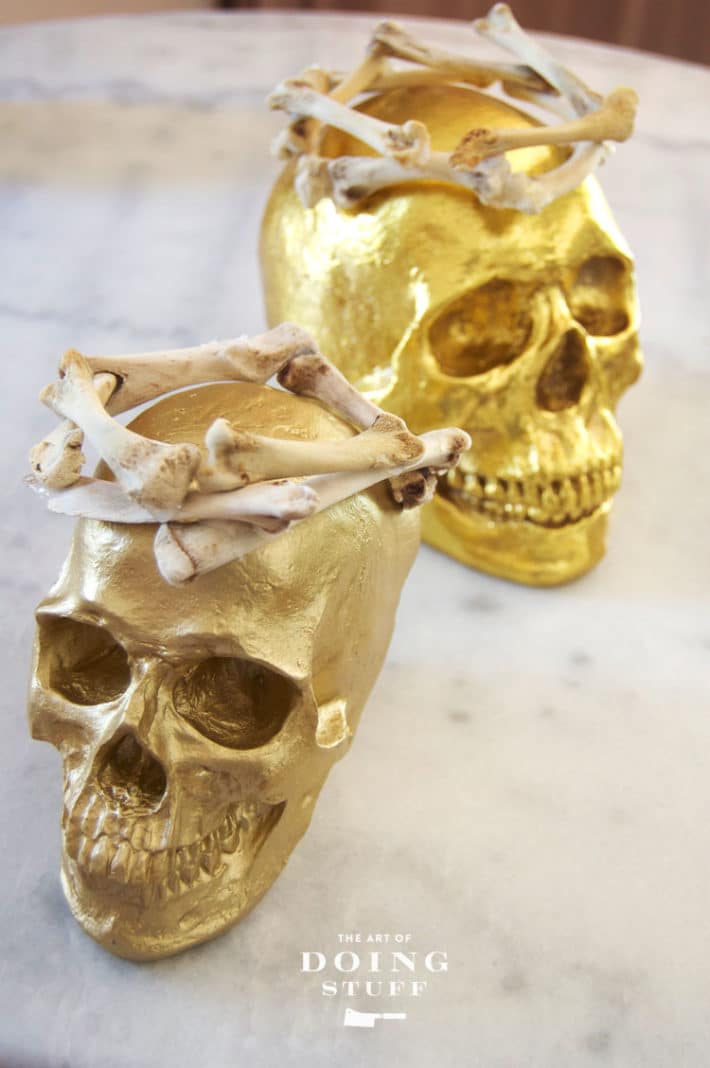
x,y
529,788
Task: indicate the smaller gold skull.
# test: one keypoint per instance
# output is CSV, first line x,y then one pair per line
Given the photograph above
x,y
520,329
197,724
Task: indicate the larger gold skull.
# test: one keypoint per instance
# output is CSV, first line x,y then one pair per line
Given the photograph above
x,y
197,724
520,329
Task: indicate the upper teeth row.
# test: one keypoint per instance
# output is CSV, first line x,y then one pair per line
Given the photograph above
x,y
549,500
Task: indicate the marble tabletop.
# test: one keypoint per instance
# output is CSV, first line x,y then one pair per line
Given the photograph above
x,y
529,789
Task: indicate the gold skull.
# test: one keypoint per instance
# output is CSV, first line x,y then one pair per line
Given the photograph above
x,y
197,724
520,329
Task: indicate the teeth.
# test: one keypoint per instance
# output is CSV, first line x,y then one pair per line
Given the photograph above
x,y
551,501
140,870
161,865
84,851
209,859
121,857
100,856
120,865
229,834
187,867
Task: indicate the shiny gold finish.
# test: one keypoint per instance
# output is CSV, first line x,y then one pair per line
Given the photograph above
x,y
198,723
520,329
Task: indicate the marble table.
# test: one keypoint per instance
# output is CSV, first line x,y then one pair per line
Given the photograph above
x,y
529,791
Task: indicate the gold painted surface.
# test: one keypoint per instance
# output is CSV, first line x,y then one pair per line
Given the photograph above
x,y
520,329
197,724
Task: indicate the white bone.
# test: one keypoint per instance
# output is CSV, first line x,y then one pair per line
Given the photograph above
x,y
301,135
613,121
287,349
478,162
269,505
500,26
57,460
147,375
237,457
361,78
351,179
156,475
183,552
408,143
397,42
310,374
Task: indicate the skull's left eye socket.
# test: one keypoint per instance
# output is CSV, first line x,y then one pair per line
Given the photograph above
x,y
234,702
82,662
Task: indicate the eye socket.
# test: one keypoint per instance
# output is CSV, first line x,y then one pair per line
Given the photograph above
x,y
82,662
486,328
598,294
236,703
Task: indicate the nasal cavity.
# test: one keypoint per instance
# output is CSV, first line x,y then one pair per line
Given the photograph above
x,y
565,374
131,778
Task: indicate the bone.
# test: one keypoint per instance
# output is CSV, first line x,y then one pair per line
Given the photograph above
x,y
145,376
268,505
301,135
500,26
57,460
363,77
156,475
408,143
183,552
310,374
394,40
614,121
237,458
414,488
350,180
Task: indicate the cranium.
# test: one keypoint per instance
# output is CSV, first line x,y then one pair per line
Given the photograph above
x,y
198,723
522,329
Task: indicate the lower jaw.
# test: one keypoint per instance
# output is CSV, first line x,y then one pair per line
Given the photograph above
x,y
113,915
143,934
520,551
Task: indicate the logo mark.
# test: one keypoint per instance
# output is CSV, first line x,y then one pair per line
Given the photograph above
x,y
353,1018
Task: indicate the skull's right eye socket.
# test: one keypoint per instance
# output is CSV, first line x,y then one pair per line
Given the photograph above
x,y
236,703
484,329
600,294
82,662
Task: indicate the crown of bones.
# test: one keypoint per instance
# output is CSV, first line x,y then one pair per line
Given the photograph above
x,y
217,506
317,98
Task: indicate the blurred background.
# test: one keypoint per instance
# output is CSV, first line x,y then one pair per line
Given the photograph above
x,y
672,27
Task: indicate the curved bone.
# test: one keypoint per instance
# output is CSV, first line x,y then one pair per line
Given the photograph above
x,y
351,179
183,552
57,460
156,475
147,375
237,458
408,143
613,121
269,505
398,43
301,136
501,26
312,375
478,163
